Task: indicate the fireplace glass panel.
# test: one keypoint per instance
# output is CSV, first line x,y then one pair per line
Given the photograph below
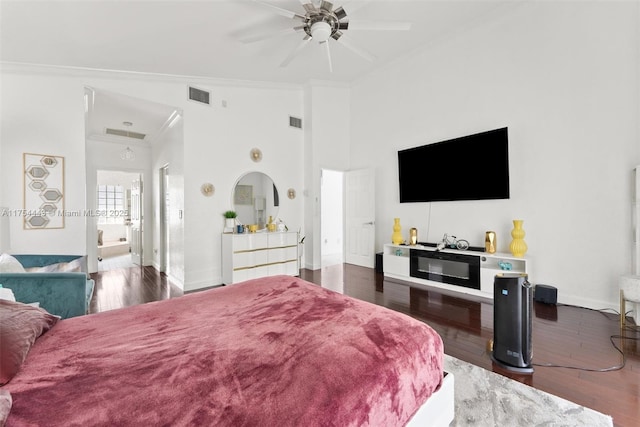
x,y
444,267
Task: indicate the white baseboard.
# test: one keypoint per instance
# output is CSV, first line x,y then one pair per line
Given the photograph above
x,y
588,302
176,281
202,284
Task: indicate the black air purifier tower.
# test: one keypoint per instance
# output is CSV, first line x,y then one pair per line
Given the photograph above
x,y
512,311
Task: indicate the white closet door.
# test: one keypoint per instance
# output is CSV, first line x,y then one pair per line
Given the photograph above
x,y
360,217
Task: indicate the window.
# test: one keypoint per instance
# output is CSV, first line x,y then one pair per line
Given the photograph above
x,y
111,204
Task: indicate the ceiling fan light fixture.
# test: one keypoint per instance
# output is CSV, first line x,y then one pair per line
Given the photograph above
x,y
321,31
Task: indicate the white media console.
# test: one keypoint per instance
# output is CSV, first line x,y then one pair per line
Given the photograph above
x,y
465,271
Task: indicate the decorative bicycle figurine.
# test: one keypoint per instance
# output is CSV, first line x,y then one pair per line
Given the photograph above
x,y
453,243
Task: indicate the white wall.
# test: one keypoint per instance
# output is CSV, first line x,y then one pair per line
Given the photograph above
x,y
218,142
43,116
43,112
563,76
327,136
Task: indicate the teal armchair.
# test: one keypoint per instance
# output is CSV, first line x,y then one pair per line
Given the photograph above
x,y
66,294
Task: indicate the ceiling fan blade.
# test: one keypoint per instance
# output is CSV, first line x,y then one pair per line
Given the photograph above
x,y
329,56
379,25
308,5
353,6
260,37
348,43
326,6
281,11
295,52
340,13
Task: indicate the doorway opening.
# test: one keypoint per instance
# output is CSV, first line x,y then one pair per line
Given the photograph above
x,y
332,218
128,134
119,224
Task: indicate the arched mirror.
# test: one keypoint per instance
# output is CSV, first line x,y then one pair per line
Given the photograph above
x,y
255,199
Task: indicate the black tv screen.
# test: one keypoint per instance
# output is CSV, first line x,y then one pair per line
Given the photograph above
x,y
473,167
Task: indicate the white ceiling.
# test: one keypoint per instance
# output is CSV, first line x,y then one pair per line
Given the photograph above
x,y
204,39
111,110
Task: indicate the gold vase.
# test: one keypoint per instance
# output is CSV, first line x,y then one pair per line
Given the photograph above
x,y
413,236
396,237
518,246
490,242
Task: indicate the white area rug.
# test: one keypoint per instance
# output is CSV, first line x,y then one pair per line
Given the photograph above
x,y
484,398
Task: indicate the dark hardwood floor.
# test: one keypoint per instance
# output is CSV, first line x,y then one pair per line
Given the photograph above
x,y
130,286
570,336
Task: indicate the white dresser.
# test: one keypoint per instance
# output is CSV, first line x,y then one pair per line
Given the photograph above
x,y
252,255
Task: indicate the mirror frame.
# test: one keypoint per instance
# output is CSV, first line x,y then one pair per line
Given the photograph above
x,y
244,201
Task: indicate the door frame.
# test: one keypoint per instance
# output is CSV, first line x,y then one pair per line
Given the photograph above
x,y
327,214
140,238
164,255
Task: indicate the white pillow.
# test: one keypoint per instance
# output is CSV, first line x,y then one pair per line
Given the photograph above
x,y
9,264
7,294
61,267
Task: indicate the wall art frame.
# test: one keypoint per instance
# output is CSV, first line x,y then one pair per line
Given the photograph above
x,y
243,195
43,191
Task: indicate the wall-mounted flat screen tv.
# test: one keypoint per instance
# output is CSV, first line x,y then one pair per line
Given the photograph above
x,y
473,167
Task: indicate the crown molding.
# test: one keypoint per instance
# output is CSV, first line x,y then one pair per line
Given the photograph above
x,y
66,71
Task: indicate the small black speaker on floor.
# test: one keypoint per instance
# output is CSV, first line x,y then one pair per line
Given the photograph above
x,y
545,294
379,263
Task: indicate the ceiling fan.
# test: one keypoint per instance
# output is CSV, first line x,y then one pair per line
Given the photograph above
x,y
321,22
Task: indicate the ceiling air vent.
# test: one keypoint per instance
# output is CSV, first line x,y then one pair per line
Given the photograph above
x,y
199,95
125,133
295,122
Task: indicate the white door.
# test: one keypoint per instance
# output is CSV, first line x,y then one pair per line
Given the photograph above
x,y
360,217
136,221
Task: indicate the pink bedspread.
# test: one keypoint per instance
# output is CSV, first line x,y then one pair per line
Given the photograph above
x,y
268,352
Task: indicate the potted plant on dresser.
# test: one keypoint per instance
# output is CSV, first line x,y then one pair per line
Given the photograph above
x,y
230,219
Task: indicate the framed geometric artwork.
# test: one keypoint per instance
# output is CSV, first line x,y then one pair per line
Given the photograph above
x,y
243,195
43,190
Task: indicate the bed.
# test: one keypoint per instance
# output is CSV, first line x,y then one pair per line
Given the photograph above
x,y
277,351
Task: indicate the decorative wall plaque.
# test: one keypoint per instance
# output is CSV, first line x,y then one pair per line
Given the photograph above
x,y
43,190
